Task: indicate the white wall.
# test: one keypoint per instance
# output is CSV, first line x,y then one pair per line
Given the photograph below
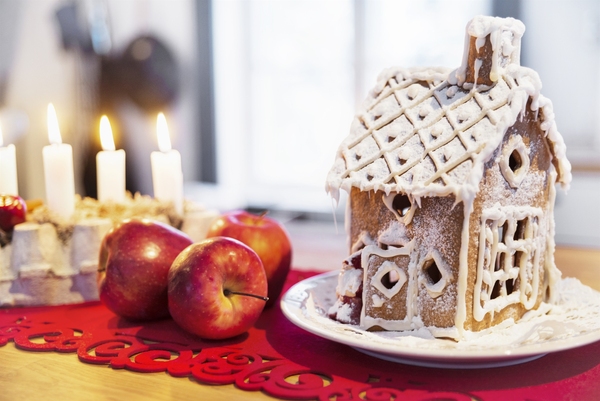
x,y
577,212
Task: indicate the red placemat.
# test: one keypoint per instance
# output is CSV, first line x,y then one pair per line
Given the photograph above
x,y
285,361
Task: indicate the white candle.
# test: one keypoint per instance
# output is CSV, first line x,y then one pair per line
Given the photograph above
x,y
58,170
8,168
167,176
110,166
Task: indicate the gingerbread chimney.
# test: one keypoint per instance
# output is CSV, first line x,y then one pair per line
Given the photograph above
x,y
491,45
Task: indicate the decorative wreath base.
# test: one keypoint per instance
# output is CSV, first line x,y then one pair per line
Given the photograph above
x,y
284,361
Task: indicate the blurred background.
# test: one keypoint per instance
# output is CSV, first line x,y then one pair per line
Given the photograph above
x,y
258,94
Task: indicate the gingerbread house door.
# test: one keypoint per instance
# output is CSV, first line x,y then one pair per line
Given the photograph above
x,y
386,287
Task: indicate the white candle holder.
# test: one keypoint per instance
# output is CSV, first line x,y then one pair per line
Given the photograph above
x,y
42,267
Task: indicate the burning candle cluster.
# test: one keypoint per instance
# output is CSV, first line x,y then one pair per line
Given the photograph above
x,y
167,176
50,255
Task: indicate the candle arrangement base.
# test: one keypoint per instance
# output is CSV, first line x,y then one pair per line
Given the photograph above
x,y
52,264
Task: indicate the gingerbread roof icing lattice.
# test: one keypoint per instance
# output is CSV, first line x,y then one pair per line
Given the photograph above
x,y
429,131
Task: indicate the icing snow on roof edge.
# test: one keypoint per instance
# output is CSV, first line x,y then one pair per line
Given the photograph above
x,y
526,86
428,131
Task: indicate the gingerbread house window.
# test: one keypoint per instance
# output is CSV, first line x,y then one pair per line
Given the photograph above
x,y
389,279
401,205
514,163
364,239
508,262
434,274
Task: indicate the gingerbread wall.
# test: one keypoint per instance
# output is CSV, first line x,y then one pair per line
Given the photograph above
x,y
496,194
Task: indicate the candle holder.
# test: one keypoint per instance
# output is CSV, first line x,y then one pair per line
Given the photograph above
x,y
52,261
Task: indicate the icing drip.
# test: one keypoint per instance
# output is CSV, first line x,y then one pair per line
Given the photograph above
x,y
553,275
461,304
505,36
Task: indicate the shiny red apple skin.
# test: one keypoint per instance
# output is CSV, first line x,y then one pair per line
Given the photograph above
x,y
13,211
267,237
134,262
199,280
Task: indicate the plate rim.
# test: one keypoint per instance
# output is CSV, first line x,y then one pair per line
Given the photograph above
x,y
463,357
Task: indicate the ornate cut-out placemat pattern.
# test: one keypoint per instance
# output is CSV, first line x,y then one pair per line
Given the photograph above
x,y
284,361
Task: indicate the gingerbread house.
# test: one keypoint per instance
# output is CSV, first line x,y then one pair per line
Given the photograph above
x,y
451,180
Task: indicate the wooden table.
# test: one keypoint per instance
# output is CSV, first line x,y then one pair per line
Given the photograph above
x,y
583,264
33,375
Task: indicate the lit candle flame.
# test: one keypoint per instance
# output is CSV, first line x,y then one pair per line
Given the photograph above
x,y
106,135
53,131
162,133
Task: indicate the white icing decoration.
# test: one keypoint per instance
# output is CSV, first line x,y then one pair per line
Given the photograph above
x,y
514,178
553,275
411,321
575,313
436,131
342,312
388,267
388,200
348,223
348,282
413,91
364,239
435,289
526,269
505,36
394,235
377,301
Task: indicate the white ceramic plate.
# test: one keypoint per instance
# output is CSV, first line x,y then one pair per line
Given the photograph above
x,y
574,322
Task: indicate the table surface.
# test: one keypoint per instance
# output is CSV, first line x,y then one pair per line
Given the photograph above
x,y
29,375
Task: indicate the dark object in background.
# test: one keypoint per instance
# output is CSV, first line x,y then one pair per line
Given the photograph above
x,y
148,74
145,72
72,34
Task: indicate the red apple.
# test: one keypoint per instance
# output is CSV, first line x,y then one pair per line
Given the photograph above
x,y
12,212
135,257
266,237
217,288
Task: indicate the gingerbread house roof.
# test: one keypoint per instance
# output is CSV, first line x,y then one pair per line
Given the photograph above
x,y
429,131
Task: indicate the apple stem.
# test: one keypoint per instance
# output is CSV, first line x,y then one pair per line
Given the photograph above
x,y
229,292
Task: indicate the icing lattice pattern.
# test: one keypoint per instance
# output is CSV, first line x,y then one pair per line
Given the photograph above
x,y
509,261
419,130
